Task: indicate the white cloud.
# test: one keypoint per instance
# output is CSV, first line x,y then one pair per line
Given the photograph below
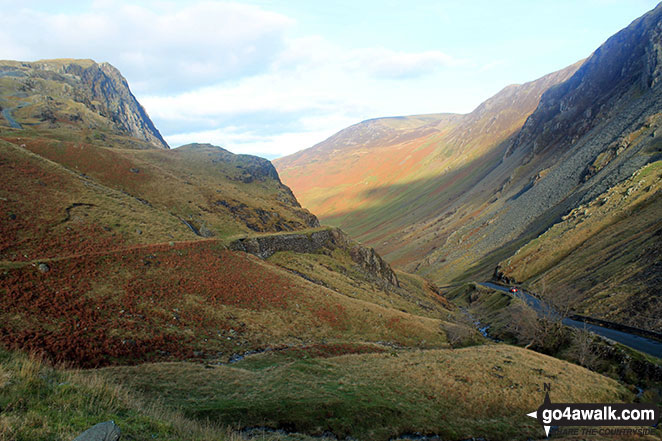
x,y
313,85
391,64
163,47
238,141
231,73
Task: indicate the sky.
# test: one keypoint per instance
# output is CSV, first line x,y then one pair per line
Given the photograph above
x,y
271,77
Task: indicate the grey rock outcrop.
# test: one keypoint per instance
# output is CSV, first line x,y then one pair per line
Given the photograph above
x,y
105,85
107,431
313,242
100,87
624,70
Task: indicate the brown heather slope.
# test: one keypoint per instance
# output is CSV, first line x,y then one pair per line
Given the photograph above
x,y
116,255
464,213
82,115
92,275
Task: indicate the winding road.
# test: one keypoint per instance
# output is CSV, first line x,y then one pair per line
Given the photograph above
x,y
6,113
643,344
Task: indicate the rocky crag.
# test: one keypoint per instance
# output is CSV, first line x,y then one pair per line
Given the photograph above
x,y
75,93
314,242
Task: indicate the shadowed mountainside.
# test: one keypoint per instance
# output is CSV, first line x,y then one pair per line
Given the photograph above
x,y
452,204
391,182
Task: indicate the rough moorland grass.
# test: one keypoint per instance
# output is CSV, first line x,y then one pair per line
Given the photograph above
x,y
49,211
38,402
479,391
205,186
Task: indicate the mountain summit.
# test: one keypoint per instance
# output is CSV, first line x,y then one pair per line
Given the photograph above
x,y
78,95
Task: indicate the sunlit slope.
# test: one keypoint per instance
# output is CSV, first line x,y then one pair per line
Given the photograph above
x,y
50,211
212,190
386,180
499,177
98,267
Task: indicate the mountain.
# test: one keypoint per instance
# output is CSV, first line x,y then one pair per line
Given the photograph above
x,y
192,279
115,249
92,99
453,202
396,183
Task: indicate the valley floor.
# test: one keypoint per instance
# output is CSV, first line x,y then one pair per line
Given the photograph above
x,y
370,396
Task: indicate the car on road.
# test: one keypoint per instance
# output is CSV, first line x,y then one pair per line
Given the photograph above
x,y
514,289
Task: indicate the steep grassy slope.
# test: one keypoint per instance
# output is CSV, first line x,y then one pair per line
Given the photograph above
x,y
94,198
83,116
213,191
49,211
94,274
606,253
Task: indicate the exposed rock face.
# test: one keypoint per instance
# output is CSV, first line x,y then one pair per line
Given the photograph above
x,y
100,87
108,431
106,85
500,276
365,257
581,135
369,260
626,65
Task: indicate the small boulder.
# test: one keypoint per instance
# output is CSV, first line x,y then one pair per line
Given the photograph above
x,y
43,268
108,431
